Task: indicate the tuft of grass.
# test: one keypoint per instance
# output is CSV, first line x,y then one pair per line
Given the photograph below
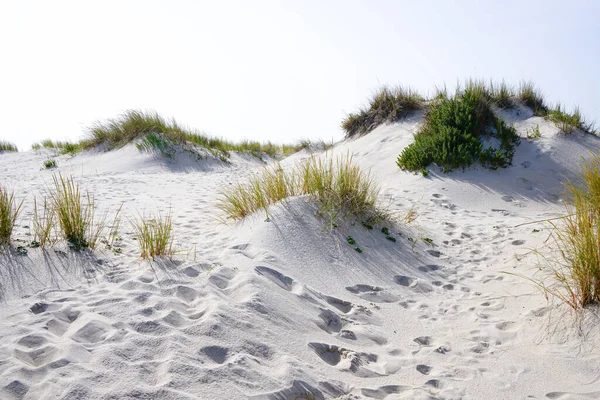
x,y
75,213
532,97
502,94
568,122
9,212
533,133
575,273
388,104
339,186
452,133
156,143
154,235
50,163
8,146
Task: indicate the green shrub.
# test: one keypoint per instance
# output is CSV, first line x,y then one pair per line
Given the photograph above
x,y
9,212
7,146
452,131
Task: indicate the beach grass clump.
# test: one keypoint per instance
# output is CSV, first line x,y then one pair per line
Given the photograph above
x,y
531,96
388,104
8,146
339,186
502,94
453,131
154,235
569,122
76,214
575,272
161,135
64,147
50,163
10,209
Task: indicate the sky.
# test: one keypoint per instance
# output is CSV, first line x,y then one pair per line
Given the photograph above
x,y
275,70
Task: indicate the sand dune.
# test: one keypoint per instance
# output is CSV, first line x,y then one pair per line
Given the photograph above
x,y
282,307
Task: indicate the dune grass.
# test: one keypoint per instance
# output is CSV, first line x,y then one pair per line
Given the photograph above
x,y
76,214
161,134
64,147
8,146
573,274
387,104
339,186
154,235
452,132
391,104
531,96
50,163
9,212
568,122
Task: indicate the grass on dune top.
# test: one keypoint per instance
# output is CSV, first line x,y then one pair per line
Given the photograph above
x,y
390,104
159,134
8,146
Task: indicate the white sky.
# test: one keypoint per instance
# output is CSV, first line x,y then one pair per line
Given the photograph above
x,y
274,70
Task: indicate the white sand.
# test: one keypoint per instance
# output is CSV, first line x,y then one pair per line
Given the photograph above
x,y
284,308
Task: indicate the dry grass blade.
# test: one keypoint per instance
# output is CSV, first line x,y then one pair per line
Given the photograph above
x,y
43,223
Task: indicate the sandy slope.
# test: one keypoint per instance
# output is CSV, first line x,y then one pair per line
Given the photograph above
x,y
282,307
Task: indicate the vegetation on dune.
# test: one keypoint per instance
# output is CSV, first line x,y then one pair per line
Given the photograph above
x,y
153,133
339,186
9,212
391,104
8,146
154,235
76,214
162,135
451,135
572,275
388,104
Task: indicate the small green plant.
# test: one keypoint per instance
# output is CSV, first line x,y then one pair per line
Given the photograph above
x,y
51,163
9,212
533,133
424,172
350,240
154,235
8,146
535,231
385,231
22,251
367,226
358,250
428,240
391,238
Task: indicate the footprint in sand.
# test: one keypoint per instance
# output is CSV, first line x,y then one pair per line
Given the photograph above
x,y
371,293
